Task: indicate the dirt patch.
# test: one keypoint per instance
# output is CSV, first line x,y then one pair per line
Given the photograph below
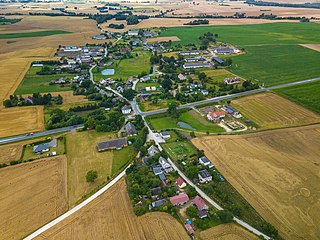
x,y
69,98
315,47
277,172
32,194
19,120
269,110
111,216
163,39
227,232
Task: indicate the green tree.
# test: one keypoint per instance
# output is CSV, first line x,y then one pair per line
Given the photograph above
x,y
192,212
225,216
192,172
139,210
172,109
91,176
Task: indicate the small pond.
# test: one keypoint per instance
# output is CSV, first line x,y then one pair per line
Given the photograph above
x,y
108,71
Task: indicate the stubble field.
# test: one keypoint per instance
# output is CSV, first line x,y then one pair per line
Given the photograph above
x,y
111,216
269,110
32,194
19,120
277,172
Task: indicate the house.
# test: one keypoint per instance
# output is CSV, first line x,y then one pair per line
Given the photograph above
x,y
218,60
71,49
145,78
189,229
202,213
197,65
159,203
215,116
205,162
231,111
165,135
181,77
232,80
155,192
99,37
166,166
118,143
133,32
153,150
180,182
130,129
200,203
126,109
102,81
189,53
120,89
224,50
204,176
204,92
157,170
180,199
41,148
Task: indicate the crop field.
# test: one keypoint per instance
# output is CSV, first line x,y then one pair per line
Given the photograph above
x,y
273,54
128,67
19,120
69,99
111,215
83,156
32,194
305,94
227,232
277,172
269,110
31,34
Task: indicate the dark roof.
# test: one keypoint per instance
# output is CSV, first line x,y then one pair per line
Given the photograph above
x,y
130,128
112,144
202,213
204,174
230,109
218,60
165,133
157,170
155,191
159,203
204,159
40,148
162,177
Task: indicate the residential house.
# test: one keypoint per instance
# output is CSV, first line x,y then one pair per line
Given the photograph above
x,y
200,203
153,150
102,81
155,192
162,177
202,213
118,143
145,78
126,109
166,166
180,182
204,92
180,199
157,170
130,129
133,32
232,80
41,148
189,229
204,176
159,203
205,162
165,135
231,111
181,77
215,116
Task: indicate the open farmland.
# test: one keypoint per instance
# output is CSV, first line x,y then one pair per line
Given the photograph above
x,y
269,110
20,120
305,94
32,194
31,34
277,172
273,54
227,232
111,216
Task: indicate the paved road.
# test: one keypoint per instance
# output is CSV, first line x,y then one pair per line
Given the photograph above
x,y
76,208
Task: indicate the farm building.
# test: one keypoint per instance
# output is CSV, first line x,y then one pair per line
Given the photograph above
x,y
133,32
159,203
180,182
165,135
189,53
197,65
130,129
231,111
180,199
204,176
215,116
99,37
118,143
205,162
218,60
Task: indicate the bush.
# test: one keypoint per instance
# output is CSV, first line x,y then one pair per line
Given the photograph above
x,y
192,212
139,210
91,176
225,216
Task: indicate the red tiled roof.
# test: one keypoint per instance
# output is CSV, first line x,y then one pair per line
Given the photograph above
x,y
180,181
217,114
189,228
179,199
199,202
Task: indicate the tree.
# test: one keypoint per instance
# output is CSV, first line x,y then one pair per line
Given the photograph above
x,y
192,172
132,20
192,212
228,62
91,176
172,109
129,94
166,84
139,210
7,103
225,216
192,134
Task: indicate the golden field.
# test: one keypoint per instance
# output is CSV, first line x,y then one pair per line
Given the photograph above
x,y
32,194
277,172
111,216
269,110
18,120
315,47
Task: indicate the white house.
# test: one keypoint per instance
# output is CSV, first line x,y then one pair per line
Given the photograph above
x,y
153,150
126,109
181,77
133,32
166,166
205,162
165,135
215,116
180,183
204,176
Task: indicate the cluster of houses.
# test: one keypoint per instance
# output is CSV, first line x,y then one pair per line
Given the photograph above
x,y
216,116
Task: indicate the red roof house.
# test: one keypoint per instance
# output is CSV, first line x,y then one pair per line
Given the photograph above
x,y
179,199
200,203
189,228
181,183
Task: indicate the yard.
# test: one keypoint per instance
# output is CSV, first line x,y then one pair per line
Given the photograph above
x,y
121,158
151,106
179,150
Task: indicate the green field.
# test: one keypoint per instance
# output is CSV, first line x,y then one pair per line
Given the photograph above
x,y
33,83
32,34
305,94
273,54
127,67
179,150
121,158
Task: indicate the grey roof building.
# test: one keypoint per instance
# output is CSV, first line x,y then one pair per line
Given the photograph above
x,y
112,144
130,129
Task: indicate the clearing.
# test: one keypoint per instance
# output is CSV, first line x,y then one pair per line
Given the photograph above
x,y
19,120
111,216
305,94
269,110
32,194
277,172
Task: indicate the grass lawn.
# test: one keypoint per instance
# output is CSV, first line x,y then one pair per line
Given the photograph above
x,y
305,94
273,55
32,34
149,106
121,158
127,67
179,150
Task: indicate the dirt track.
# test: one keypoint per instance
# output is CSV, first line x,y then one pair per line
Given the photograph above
x,y
277,172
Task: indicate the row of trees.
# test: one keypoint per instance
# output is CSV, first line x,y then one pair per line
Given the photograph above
x,y
35,99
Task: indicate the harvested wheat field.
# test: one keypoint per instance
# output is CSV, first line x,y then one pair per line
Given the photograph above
x,y
227,232
269,110
19,120
111,216
315,47
277,172
164,39
32,194
69,98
